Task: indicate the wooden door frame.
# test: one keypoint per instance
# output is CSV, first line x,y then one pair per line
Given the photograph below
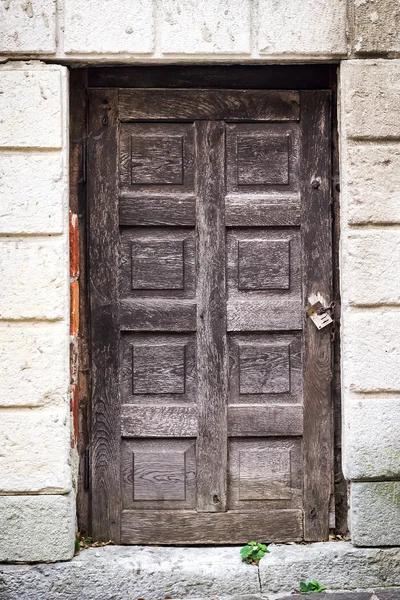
x,y
299,77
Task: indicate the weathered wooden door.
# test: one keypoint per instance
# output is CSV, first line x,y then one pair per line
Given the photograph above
x,y
210,234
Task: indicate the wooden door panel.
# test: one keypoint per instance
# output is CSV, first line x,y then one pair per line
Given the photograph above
x,y
209,105
219,237
194,528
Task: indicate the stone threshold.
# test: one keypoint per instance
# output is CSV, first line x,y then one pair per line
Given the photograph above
x,y
157,573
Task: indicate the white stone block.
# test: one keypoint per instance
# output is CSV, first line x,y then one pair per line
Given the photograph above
x,y
370,104
371,438
34,451
376,26
308,28
31,106
375,513
370,267
207,27
34,276
338,565
101,27
34,363
371,350
37,528
28,26
370,188
33,192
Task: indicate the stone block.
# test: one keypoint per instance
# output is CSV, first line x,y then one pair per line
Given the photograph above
x,y
308,28
33,192
34,451
371,256
37,529
34,276
376,26
34,364
103,27
31,105
207,27
338,565
371,350
123,572
370,183
371,434
27,27
130,572
370,99
375,513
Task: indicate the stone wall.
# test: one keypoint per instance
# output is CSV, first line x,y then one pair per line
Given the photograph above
x,y
37,505
370,258
36,490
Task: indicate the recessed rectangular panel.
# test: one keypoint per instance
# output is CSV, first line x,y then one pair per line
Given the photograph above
x,y
263,264
158,369
156,159
158,474
262,160
264,368
157,264
264,475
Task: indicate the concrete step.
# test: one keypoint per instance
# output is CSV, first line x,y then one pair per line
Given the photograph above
x,y
157,573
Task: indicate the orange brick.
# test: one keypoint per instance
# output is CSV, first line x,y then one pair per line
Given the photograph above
x,y
73,246
74,300
74,414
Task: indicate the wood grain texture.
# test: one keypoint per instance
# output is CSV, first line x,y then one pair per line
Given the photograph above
x,y
317,279
189,527
158,368
103,262
158,474
265,368
156,158
257,420
164,210
262,160
264,264
157,315
260,315
158,421
229,105
258,211
212,352
265,474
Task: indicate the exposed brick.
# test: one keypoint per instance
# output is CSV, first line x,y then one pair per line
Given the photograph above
x,y
73,246
74,415
74,322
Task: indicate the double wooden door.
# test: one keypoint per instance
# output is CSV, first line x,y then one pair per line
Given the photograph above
x,y
210,235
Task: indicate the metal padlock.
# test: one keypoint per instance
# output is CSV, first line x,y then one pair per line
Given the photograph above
x,y
320,314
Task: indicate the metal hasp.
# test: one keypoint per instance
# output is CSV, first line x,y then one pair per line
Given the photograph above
x,y
320,315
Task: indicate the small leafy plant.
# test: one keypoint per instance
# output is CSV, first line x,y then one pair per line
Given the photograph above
x,y
312,587
253,552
